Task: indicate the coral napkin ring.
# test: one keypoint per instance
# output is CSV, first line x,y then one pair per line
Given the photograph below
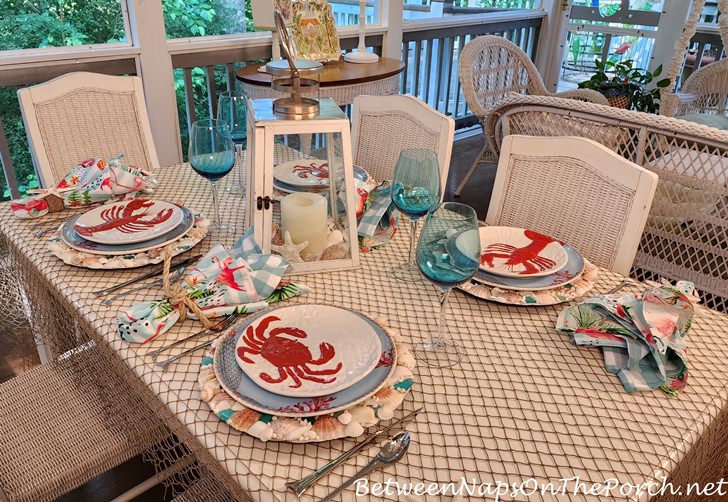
x,y
177,295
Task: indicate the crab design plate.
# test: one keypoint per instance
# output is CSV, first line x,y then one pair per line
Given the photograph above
x,y
247,392
128,222
359,173
303,173
308,350
75,241
518,252
571,272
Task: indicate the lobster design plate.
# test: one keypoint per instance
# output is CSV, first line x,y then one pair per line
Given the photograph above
x,y
247,392
571,272
71,238
308,350
303,173
128,222
518,252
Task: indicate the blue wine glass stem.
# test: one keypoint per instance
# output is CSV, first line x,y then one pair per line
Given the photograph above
x,y
239,163
216,204
441,336
413,239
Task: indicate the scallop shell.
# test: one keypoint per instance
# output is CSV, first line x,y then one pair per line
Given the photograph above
x,y
208,390
289,429
388,397
243,419
345,418
261,430
363,415
400,373
207,373
405,358
328,427
385,412
354,429
220,401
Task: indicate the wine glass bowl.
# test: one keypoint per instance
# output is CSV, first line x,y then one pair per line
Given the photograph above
x,y
448,254
211,155
415,189
231,111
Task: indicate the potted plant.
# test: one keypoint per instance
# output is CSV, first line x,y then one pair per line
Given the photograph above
x,y
625,86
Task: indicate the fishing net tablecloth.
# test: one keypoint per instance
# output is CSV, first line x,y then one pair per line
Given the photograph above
x,y
523,404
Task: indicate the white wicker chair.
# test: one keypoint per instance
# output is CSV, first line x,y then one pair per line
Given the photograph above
x,y
489,68
79,115
383,126
705,91
575,190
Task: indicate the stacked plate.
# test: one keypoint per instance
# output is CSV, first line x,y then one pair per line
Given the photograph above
x,y
296,361
306,175
517,260
127,227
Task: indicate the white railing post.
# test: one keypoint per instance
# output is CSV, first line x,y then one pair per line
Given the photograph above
x,y
392,18
154,66
672,22
551,41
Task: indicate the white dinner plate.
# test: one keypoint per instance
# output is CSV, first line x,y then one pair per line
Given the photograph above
x,y
308,350
303,173
128,222
518,252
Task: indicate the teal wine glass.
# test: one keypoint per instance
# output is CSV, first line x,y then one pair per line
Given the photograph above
x,y
415,189
231,111
212,156
448,254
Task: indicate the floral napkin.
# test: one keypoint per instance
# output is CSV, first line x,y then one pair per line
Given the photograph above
x,y
379,218
91,181
240,279
642,336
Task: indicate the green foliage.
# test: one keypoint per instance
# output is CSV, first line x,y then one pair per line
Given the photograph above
x,y
625,79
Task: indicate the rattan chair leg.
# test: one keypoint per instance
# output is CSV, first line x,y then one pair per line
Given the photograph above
x,y
483,156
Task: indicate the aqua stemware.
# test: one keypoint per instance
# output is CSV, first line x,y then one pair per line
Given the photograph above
x,y
212,156
231,111
448,254
415,189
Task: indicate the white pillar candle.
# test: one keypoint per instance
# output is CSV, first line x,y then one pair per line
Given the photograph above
x,y
305,216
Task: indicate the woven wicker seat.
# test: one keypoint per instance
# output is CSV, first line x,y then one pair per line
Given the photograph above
x,y
383,126
80,115
705,91
577,191
55,433
686,235
489,68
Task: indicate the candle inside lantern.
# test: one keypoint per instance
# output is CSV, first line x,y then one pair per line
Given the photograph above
x,y
305,216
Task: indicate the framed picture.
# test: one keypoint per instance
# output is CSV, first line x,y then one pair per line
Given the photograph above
x,y
314,31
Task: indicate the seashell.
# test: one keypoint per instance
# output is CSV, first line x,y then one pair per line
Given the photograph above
x,y
220,401
335,237
243,419
328,427
388,397
289,429
385,412
590,272
277,239
309,257
335,252
261,430
405,358
208,390
363,415
354,429
345,418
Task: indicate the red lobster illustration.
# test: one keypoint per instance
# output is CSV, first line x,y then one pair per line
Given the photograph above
x,y
321,172
527,256
291,357
124,220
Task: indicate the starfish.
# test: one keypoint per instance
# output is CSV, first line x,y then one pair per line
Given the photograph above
x,y
289,250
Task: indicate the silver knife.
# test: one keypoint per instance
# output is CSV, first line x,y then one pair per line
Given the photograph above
x,y
303,484
148,275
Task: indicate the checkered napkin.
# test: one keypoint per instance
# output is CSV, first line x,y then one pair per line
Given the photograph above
x,y
378,223
642,336
240,279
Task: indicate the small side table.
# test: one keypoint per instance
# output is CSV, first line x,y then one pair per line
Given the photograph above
x,y
340,81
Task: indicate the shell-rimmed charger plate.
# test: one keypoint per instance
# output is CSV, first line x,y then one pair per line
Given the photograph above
x,y
498,244
75,241
571,272
245,391
128,222
77,258
302,350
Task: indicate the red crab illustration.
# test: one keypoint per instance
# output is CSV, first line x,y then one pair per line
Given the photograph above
x,y
124,220
527,256
321,172
291,357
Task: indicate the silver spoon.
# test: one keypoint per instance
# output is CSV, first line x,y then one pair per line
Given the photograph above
x,y
175,276
393,450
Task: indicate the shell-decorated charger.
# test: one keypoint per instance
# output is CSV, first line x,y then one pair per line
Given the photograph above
x,y
351,422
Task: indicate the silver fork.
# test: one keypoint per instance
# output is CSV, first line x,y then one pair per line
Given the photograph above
x,y
220,326
154,284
